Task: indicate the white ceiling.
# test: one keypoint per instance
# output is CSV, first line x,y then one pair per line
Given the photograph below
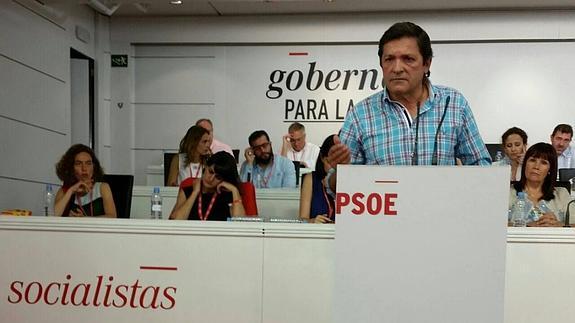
x,y
145,8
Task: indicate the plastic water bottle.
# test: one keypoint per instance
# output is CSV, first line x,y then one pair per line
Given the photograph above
x,y
498,156
49,201
520,211
542,208
156,204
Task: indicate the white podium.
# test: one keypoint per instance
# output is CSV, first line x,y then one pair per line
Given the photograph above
x,y
420,244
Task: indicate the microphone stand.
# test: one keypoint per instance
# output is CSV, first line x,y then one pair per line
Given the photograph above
x,y
566,224
415,156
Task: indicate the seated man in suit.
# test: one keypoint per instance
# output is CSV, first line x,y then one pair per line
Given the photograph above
x,y
262,167
561,140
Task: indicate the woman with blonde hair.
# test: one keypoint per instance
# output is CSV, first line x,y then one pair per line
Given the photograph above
x,y
194,150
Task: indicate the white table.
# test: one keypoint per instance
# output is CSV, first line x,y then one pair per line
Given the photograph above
x,y
240,272
272,202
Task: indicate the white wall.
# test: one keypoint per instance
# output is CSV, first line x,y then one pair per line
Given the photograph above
x,y
537,83
35,92
102,91
35,96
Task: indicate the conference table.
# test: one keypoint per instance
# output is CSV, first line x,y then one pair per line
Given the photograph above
x,y
279,203
227,271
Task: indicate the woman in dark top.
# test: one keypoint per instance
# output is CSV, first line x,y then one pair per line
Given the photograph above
x,y
82,193
316,205
213,197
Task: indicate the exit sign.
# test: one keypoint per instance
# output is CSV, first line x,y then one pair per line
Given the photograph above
x,y
119,60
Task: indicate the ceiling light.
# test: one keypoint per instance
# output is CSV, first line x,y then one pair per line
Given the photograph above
x,y
176,2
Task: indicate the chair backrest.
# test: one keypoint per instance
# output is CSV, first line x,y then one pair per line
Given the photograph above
x,y
121,186
236,155
248,192
493,149
297,165
565,174
167,162
565,184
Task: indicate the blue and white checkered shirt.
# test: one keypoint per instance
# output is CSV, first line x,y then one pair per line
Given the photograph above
x,y
378,132
280,173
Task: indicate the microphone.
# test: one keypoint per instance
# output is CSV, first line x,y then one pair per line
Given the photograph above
x,y
566,223
414,156
435,152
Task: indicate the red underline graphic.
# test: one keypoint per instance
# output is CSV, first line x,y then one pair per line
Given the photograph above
x,y
298,54
158,268
386,182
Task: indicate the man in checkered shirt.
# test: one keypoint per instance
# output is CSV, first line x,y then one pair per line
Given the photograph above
x,y
411,121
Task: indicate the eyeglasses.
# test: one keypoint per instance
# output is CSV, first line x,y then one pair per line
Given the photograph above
x,y
262,147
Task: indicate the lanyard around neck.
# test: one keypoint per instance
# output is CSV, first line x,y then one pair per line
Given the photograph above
x,y
265,180
201,214
197,170
301,156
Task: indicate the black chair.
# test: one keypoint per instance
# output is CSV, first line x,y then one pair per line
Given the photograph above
x,y
565,184
493,149
167,162
236,155
565,174
121,186
297,165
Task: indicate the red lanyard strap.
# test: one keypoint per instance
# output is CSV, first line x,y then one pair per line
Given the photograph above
x,y
201,214
197,171
267,178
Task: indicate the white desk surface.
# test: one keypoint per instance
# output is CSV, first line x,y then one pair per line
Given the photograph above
x,y
295,261
282,203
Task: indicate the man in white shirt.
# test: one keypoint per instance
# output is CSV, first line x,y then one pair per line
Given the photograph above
x,y
216,145
295,147
561,140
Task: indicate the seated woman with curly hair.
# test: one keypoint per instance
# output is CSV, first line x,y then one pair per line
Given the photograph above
x,y
82,193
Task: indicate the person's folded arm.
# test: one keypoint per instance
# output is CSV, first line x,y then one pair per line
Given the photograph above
x,y
305,197
184,205
237,206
